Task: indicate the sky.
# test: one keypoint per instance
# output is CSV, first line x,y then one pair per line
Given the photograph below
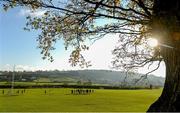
x,y
19,47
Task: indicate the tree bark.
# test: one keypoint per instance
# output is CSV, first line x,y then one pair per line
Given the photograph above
x,y
170,97
167,22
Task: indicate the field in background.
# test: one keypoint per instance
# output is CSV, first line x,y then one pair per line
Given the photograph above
x,y
56,100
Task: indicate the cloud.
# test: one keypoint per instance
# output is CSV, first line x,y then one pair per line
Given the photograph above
x,y
25,67
34,13
100,53
7,67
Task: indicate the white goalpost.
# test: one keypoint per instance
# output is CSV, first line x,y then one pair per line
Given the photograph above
x,y
11,91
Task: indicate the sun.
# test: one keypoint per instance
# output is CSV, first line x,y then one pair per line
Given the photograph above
x,y
152,42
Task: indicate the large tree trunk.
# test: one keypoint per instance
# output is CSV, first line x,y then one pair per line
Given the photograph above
x,y
167,21
170,97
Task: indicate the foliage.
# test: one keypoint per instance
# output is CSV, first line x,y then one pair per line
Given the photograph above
x,y
76,21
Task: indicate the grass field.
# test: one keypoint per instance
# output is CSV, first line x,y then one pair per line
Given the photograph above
x,y
60,100
44,83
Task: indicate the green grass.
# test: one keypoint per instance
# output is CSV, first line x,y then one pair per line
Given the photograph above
x,y
56,100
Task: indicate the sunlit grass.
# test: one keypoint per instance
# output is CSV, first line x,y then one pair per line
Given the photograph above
x,y
61,100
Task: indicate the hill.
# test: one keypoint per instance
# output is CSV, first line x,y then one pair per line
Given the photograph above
x,y
105,77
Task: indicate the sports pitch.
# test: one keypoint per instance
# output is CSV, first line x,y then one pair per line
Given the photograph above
x,y
61,100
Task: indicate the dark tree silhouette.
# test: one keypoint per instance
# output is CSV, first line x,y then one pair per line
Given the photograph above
x,y
135,21
166,20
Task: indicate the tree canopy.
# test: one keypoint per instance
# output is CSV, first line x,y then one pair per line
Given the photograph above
x,y
76,21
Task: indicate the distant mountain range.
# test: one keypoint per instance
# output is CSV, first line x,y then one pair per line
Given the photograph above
x,y
106,77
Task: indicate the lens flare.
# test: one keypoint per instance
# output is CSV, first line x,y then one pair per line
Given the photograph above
x,y
152,42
